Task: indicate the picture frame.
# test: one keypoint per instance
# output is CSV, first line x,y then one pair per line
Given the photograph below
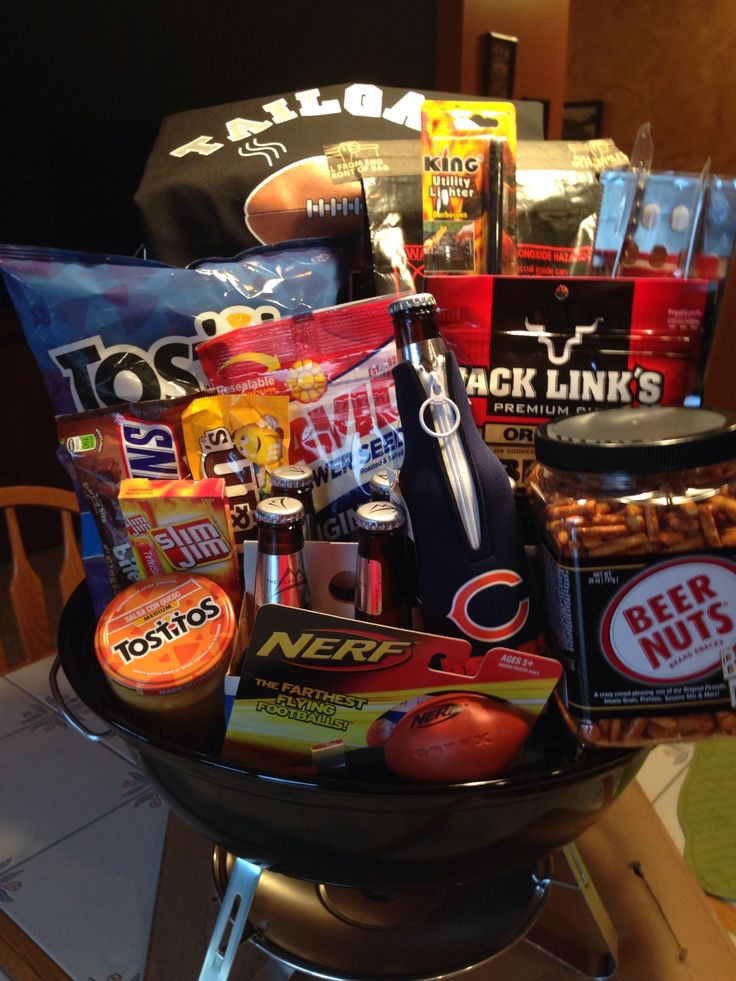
x,y
499,65
582,120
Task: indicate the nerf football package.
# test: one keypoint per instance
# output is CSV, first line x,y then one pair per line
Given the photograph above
x,y
323,692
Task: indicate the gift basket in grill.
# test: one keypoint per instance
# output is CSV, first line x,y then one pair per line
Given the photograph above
x,y
518,572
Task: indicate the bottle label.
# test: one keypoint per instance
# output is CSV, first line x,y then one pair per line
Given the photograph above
x,y
282,579
369,587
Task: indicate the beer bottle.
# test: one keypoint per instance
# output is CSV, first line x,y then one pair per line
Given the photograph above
x,y
470,557
280,569
382,579
297,480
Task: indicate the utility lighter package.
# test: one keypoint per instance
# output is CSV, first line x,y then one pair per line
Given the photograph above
x,y
468,178
320,692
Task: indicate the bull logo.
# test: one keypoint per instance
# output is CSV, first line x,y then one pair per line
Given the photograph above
x,y
545,338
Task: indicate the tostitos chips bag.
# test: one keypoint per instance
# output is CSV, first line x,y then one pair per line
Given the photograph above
x,y
110,329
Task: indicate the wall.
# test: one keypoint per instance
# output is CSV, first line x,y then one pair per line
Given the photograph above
x,y
671,64
541,55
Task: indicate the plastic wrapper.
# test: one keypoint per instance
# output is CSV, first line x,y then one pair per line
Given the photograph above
x,y
100,448
558,195
335,366
468,187
111,329
240,438
676,224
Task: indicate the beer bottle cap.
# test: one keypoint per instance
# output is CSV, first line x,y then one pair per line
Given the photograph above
x,y
378,516
381,481
279,511
414,301
296,475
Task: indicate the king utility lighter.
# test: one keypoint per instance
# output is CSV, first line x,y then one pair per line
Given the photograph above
x,y
470,558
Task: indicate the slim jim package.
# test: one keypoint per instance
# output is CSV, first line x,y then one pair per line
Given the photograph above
x,y
468,167
181,526
325,692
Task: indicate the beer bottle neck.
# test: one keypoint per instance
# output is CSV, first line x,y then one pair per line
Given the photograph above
x,y
280,540
418,337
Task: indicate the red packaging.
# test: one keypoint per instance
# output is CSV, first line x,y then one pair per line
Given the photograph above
x,y
533,349
100,448
335,366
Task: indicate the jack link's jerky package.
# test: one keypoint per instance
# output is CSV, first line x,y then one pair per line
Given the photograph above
x,y
109,329
335,366
101,447
534,349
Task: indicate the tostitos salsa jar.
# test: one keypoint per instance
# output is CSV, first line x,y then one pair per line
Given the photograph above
x,y
636,513
165,644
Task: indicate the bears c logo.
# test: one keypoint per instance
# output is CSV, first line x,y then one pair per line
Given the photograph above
x,y
462,619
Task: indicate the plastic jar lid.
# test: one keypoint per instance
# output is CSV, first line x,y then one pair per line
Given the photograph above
x,y
165,633
637,440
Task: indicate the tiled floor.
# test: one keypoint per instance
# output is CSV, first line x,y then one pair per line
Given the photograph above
x,y
81,839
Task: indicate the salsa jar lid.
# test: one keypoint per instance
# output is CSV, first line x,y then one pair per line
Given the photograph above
x,y
165,633
637,440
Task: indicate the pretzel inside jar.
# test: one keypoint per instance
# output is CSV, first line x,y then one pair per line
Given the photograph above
x,y
636,510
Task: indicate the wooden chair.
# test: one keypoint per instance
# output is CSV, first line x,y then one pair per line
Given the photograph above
x,y
27,591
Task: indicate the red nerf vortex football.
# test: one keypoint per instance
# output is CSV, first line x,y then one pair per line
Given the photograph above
x,y
456,737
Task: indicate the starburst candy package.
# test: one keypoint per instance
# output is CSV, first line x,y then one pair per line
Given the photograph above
x,y
335,367
181,526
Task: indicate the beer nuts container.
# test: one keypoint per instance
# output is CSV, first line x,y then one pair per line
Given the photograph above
x,y
636,516
164,645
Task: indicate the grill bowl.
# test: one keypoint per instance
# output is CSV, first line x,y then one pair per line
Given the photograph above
x,y
359,833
